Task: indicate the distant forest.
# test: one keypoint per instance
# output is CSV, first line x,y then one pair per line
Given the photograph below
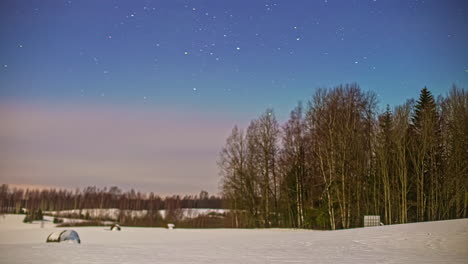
x,y
339,158
12,200
34,202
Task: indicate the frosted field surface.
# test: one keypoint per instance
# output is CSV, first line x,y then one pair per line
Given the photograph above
x,y
432,242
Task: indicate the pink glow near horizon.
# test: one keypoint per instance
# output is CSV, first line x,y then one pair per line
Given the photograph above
x,y
150,150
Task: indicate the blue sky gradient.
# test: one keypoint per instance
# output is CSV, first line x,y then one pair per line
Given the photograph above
x,y
226,61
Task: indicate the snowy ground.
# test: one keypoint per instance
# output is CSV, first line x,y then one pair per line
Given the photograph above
x,y
433,242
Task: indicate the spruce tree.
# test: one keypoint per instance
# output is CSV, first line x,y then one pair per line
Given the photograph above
x,y
426,156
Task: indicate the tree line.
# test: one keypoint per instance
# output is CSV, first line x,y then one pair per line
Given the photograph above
x,y
339,158
16,200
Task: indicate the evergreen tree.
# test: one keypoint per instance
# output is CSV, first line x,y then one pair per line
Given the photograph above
x,y
426,156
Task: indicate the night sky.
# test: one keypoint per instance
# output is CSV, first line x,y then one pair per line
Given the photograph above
x,y
141,94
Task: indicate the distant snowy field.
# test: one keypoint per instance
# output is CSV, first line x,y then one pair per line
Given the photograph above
x,y
432,242
114,213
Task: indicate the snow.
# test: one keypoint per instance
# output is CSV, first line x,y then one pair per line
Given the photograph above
x,y
430,242
195,212
96,213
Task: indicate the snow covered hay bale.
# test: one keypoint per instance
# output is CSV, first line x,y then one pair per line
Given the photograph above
x,y
115,227
64,236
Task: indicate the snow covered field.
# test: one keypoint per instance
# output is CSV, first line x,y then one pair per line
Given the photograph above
x,y
433,242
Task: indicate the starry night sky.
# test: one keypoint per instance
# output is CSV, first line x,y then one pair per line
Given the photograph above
x,y
83,80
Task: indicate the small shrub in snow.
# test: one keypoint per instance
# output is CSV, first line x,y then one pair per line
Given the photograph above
x,y
33,216
27,219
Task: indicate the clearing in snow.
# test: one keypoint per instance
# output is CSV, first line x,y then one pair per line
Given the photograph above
x,y
430,242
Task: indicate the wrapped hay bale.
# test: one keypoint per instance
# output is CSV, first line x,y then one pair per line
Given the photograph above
x,y
64,236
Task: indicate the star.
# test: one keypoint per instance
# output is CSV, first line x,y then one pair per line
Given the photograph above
x,y
298,39
238,48
5,66
186,52
194,89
